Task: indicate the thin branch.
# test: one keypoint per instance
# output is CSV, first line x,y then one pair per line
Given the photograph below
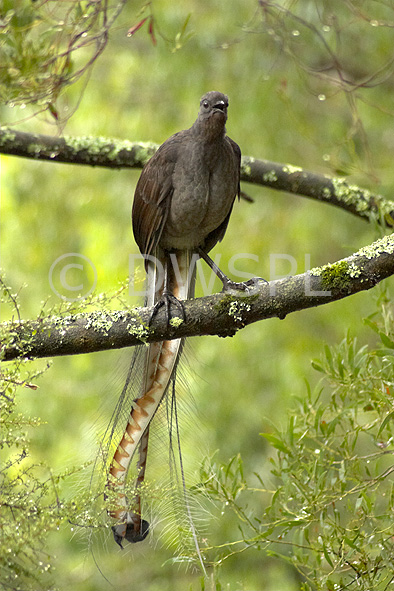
x,y
221,314
111,153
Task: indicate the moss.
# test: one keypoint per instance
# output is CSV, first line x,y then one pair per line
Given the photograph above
x,y
338,275
334,276
222,306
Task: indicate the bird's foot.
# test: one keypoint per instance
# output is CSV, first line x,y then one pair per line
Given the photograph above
x,y
132,533
166,299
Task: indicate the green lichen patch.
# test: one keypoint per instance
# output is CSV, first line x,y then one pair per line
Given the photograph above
x,y
384,245
137,329
235,306
6,135
144,151
245,165
60,323
351,194
35,148
270,176
91,144
237,309
337,275
175,322
354,270
102,322
362,200
99,147
290,169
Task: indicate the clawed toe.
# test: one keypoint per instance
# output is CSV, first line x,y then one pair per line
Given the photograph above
x,y
255,281
244,285
166,299
229,285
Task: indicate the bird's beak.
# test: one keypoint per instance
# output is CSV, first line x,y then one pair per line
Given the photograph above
x,y
220,106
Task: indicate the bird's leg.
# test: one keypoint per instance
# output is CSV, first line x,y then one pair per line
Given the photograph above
x,y
167,297
227,283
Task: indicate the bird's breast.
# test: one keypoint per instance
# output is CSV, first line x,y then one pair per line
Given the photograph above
x,y
204,192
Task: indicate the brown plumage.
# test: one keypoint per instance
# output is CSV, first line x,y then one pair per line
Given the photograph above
x,y
184,197
182,205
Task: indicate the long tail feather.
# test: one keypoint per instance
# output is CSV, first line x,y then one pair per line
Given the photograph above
x,y
160,363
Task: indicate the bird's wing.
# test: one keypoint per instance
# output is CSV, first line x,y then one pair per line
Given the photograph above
x,y
153,193
237,155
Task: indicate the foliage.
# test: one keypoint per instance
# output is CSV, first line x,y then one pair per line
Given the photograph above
x,y
327,510
28,496
47,46
39,42
318,38
32,493
330,512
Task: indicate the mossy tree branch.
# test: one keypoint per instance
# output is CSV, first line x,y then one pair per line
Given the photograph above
x,y
111,153
220,314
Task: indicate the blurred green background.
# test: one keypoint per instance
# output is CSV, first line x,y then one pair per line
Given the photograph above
x,y
287,103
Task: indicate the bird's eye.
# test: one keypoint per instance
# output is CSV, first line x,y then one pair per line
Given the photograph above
x,y
205,104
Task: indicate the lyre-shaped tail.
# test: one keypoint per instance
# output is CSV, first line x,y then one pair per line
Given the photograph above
x,y
159,365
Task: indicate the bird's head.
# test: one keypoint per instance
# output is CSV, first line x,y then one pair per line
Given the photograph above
x,y
212,115
213,104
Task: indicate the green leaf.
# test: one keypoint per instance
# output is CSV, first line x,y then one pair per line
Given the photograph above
x,y
317,365
385,421
327,556
387,342
371,324
328,354
384,352
186,22
276,442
